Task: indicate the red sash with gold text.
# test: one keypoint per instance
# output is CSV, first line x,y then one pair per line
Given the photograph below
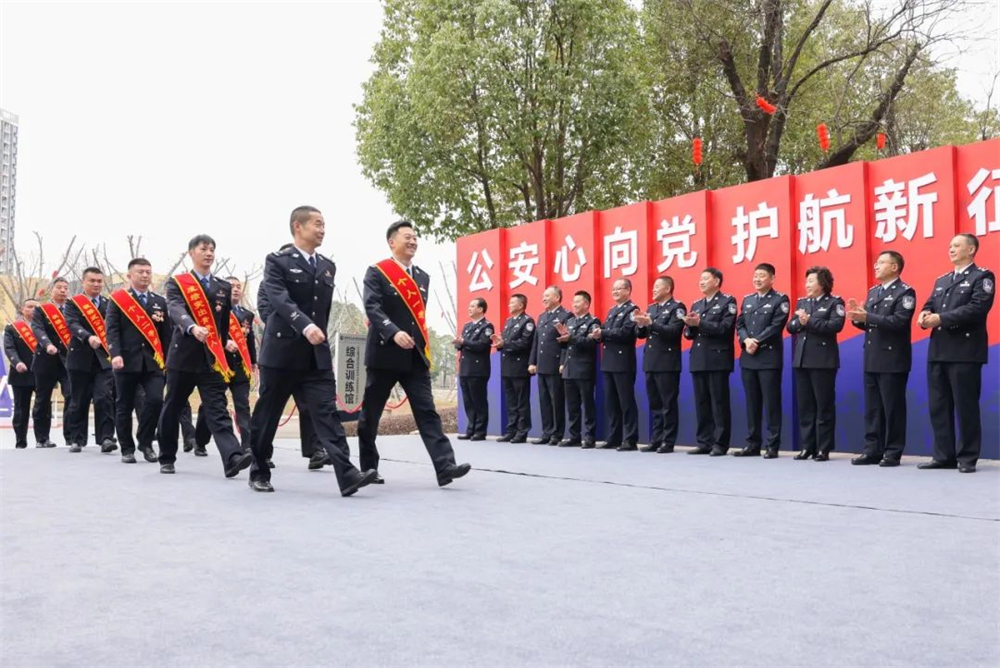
x,y
236,334
201,312
410,293
57,321
137,315
24,331
94,318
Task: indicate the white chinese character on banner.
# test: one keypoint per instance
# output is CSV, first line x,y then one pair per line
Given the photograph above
x,y
818,218
982,192
675,237
895,211
480,279
562,260
522,262
749,229
621,250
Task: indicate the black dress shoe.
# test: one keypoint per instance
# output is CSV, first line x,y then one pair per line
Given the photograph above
x,y
649,448
464,437
149,455
700,450
237,463
108,448
449,473
749,451
319,460
189,444
541,441
20,446
627,447
804,454
718,451
260,485
822,456
270,464
607,446
865,460
966,468
75,447
128,459
200,451
378,479
506,438
588,445
937,464
888,462
356,480
569,443
41,444
771,453
555,440
665,449
478,437
519,439
167,468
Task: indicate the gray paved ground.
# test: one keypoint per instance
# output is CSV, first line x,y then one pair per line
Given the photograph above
x,y
587,559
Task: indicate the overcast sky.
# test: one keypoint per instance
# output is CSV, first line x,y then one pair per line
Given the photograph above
x,y
171,119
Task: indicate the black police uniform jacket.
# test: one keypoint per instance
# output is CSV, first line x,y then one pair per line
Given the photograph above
x,y
713,348
388,314
475,348
187,353
17,352
81,357
45,364
763,319
618,338
816,342
579,354
887,328
126,341
662,351
963,304
546,351
297,296
518,339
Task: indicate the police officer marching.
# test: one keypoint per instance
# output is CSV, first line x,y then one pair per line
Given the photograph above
x,y
886,319
760,328
515,347
543,362
48,324
662,326
578,366
475,344
19,344
956,313
618,365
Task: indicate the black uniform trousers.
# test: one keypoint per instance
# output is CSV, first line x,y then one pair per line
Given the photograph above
x,y
552,404
187,424
86,387
714,416
127,385
42,412
477,408
815,394
762,388
308,441
318,390
619,405
22,406
417,385
953,390
212,389
518,394
240,390
885,414
580,395
662,388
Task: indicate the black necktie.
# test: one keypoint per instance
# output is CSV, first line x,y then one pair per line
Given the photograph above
x,y
312,262
142,299
97,302
205,283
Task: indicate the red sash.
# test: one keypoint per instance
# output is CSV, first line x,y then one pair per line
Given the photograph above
x,y
57,321
137,315
236,334
94,318
28,336
410,293
201,312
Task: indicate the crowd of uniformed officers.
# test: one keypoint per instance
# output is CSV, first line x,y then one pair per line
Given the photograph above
x,y
561,351
145,353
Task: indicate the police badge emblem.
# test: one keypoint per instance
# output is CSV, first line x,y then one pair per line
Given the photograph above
x,y
988,286
732,309
784,307
909,303
529,326
840,309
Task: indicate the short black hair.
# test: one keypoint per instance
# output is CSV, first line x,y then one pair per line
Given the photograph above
x,y
139,261
521,298
557,289
200,239
584,294
714,272
481,303
973,239
824,276
300,214
628,283
765,266
286,246
233,278
59,279
28,299
666,279
92,270
896,257
396,227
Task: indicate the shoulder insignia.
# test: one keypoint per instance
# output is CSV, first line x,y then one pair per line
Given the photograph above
x,y
732,308
748,295
784,306
988,286
909,303
840,309
530,326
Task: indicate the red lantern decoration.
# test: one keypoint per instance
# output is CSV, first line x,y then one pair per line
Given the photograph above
x,y
824,137
880,141
766,106
696,151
